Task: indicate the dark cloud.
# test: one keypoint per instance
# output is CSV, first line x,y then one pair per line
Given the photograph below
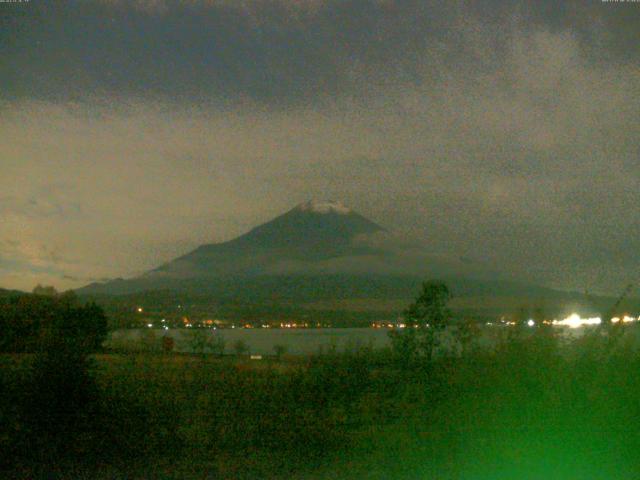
x,y
279,51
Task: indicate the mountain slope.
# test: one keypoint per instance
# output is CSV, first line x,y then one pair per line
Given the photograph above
x,y
310,232
317,251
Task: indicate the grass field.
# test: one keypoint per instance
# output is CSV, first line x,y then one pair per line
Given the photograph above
x,y
530,409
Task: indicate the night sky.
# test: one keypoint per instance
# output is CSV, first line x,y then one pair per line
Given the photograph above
x,y
507,133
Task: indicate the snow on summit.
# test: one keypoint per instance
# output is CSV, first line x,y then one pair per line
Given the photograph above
x,y
324,207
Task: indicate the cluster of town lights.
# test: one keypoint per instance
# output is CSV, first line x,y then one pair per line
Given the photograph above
x,y
575,321
572,321
625,319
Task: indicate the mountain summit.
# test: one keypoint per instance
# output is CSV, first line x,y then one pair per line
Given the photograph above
x,y
323,207
313,231
318,225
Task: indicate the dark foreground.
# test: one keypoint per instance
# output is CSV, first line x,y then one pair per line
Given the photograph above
x,y
531,409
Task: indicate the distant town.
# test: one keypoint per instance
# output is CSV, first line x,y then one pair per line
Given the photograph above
x,y
146,319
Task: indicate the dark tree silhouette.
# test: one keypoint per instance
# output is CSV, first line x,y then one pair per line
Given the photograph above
x,y
60,393
240,347
279,350
30,322
424,321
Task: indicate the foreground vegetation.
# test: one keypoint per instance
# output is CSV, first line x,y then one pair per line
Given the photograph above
x,y
529,409
532,407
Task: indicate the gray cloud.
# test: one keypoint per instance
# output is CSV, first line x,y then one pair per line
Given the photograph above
x,y
284,51
507,137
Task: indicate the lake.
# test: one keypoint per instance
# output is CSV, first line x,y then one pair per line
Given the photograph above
x,y
260,341
302,341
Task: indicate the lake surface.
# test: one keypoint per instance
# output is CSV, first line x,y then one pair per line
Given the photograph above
x,y
260,341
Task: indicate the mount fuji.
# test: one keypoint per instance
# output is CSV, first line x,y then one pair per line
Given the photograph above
x,y
315,252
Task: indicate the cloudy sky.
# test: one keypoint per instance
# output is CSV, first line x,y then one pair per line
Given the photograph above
x,y
503,132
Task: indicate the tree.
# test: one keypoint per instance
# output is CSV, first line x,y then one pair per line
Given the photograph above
x,y
204,341
45,291
279,350
168,344
240,347
198,341
466,334
217,345
62,386
404,344
424,320
29,321
91,324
